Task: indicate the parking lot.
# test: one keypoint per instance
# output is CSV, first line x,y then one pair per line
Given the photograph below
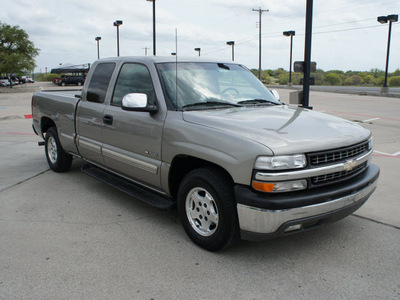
x,y
68,236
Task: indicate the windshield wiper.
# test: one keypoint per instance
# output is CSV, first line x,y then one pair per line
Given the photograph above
x,y
211,103
258,101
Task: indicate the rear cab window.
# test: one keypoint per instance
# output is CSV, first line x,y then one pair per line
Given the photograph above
x,y
98,85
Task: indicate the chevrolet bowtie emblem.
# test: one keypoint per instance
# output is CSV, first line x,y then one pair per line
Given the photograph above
x,y
349,165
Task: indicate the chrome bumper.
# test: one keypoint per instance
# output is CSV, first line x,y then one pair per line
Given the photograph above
x,y
263,221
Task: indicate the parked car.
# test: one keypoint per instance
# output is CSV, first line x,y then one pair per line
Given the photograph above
x,y
77,80
213,140
15,80
28,79
4,81
58,80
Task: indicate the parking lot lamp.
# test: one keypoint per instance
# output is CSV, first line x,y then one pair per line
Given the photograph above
x,y
290,33
198,50
97,39
384,20
154,26
117,24
232,43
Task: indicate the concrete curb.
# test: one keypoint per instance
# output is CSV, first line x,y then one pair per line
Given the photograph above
x,y
338,90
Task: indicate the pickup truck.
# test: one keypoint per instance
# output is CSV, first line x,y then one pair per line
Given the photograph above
x,y
210,138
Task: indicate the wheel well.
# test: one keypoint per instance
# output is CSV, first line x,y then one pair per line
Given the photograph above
x,y
45,124
183,164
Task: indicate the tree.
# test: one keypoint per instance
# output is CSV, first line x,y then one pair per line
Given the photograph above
x,y
265,77
377,72
369,79
394,81
354,80
396,73
17,52
333,79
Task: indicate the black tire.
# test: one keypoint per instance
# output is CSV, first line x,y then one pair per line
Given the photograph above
x,y
207,209
58,160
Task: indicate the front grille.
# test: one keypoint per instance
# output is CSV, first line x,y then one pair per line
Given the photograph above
x,y
337,176
336,155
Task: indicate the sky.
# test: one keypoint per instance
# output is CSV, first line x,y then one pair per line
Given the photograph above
x,y
346,34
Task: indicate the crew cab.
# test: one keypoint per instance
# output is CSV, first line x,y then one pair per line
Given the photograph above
x,y
210,138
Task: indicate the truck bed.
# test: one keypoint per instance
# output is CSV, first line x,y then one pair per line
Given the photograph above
x,y
58,107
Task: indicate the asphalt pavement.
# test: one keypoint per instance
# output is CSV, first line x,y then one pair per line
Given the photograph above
x,y
68,236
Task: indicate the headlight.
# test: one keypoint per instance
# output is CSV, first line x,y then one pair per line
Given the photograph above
x,y
284,162
370,143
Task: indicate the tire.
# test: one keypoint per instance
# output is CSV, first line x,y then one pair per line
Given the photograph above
x,y
207,209
58,160
63,84
79,83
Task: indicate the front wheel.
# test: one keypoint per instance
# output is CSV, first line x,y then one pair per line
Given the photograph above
x,y
58,160
206,207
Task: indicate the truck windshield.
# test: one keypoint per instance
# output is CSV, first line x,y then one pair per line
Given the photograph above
x,y
198,85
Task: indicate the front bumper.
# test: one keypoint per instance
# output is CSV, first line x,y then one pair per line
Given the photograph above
x,y
262,217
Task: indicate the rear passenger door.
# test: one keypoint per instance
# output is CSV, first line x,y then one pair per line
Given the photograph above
x,y
132,139
89,116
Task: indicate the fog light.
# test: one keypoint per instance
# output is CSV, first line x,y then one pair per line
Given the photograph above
x,y
280,187
294,227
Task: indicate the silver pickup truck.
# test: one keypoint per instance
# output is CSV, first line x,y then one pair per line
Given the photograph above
x,y
209,137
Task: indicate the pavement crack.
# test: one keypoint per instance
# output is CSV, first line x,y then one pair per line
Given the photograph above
x,y
25,180
378,222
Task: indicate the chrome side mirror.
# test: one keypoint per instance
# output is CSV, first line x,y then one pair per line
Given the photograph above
x,y
275,94
137,102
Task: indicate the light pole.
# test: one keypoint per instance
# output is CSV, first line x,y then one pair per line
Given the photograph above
x,y
154,26
145,50
232,43
117,24
198,50
384,20
260,11
97,39
290,33
307,55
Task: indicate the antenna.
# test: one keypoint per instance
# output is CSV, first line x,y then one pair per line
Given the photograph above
x,y
176,68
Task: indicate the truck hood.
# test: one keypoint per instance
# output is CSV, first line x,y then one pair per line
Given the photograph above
x,y
283,129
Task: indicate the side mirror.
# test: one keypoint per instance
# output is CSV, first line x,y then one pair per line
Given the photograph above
x,y
137,102
275,94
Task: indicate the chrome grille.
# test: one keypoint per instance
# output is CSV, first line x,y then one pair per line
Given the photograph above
x,y
327,157
334,156
337,176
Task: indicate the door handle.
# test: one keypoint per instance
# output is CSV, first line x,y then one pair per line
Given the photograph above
x,y
108,120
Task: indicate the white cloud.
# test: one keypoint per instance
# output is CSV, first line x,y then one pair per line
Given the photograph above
x,y
65,30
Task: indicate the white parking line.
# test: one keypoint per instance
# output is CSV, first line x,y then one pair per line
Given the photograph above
x,y
388,154
369,120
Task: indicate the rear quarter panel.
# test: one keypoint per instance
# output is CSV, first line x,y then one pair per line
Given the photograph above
x,y
59,107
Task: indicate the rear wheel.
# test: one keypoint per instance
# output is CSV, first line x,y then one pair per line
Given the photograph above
x,y
58,160
206,206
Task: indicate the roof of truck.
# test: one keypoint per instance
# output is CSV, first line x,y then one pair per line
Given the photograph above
x,y
162,59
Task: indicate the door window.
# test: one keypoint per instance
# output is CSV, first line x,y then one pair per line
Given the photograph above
x,y
133,78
